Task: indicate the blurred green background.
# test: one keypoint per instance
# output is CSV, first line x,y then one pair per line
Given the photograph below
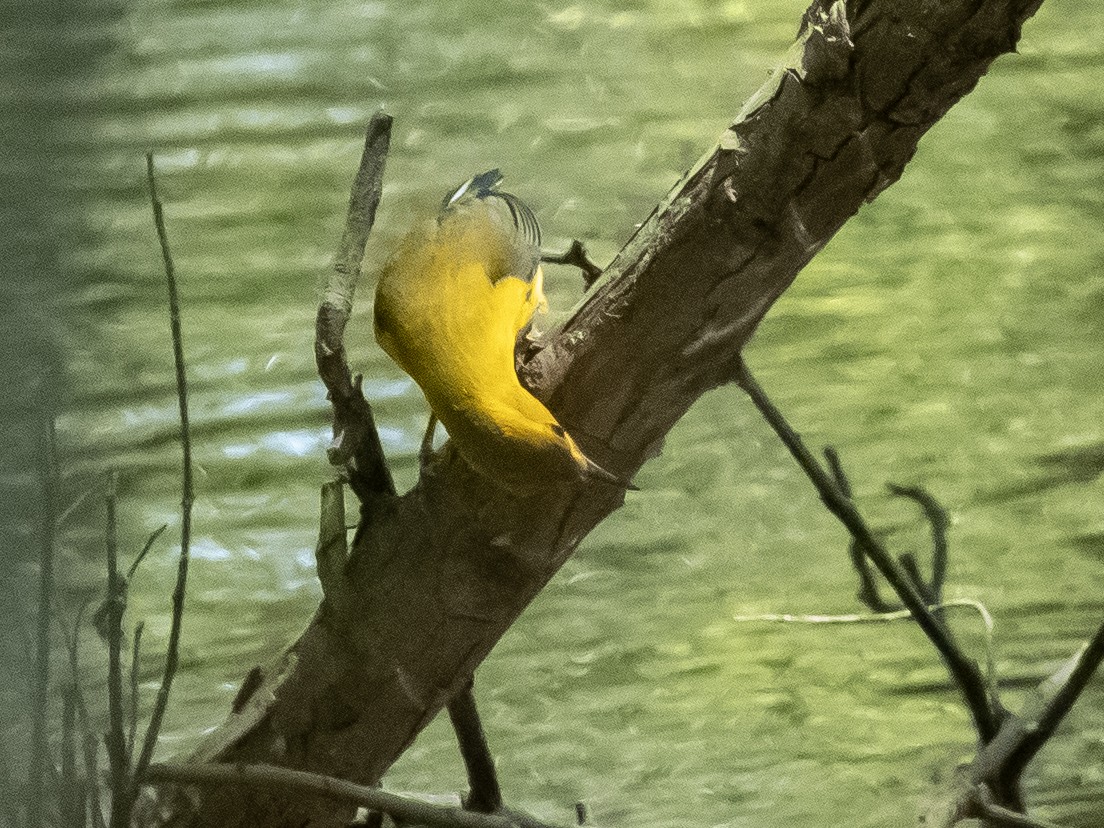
x,y
952,335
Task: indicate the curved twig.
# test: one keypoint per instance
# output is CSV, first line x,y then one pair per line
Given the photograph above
x,y
172,654
937,520
146,547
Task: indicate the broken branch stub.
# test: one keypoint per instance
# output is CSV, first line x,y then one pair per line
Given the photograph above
x,y
356,447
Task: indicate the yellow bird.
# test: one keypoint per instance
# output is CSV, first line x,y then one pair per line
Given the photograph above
x,y
449,307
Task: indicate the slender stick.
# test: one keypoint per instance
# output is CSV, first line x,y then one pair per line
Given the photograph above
x,y
868,592
36,804
286,781
575,255
356,444
113,615
484,793
71,796
964,670
172,654
132,730
150,541
425,451
91,747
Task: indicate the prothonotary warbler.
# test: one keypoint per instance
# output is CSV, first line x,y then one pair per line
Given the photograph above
x,y
449,306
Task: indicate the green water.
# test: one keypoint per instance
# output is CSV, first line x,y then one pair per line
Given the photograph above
x,y
952,335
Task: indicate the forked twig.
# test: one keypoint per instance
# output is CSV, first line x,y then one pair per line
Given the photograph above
x,y
172,654
868,592
965,671
938,524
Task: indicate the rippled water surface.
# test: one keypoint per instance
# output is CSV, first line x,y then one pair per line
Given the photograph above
x,y
952,335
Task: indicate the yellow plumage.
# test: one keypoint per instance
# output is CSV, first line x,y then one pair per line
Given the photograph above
x,y
449,306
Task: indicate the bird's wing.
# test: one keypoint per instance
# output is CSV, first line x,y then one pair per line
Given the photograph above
x,y
481,193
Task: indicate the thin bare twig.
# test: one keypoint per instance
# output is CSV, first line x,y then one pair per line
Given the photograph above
x,y
425,450
938,523
71,509
71,798
91,746
284,780
36,804
484,793
356,445
868,592
575,255
135,653
172,654
965,671
150,541
114,606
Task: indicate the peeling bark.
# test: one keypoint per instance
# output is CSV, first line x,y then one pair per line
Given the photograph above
x,y
437,576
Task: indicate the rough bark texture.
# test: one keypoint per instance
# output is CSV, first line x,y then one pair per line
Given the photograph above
x,y
438,575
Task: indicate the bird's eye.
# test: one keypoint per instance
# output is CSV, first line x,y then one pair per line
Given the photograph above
x,y
558,430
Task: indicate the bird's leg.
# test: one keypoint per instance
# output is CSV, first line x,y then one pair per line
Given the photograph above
x,y
484,794
425,453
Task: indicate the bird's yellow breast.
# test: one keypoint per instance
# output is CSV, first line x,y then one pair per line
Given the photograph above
x,y
448,310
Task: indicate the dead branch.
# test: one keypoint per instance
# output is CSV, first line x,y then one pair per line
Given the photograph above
x,y
412,811
484,793
964,670
356,445
868,592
